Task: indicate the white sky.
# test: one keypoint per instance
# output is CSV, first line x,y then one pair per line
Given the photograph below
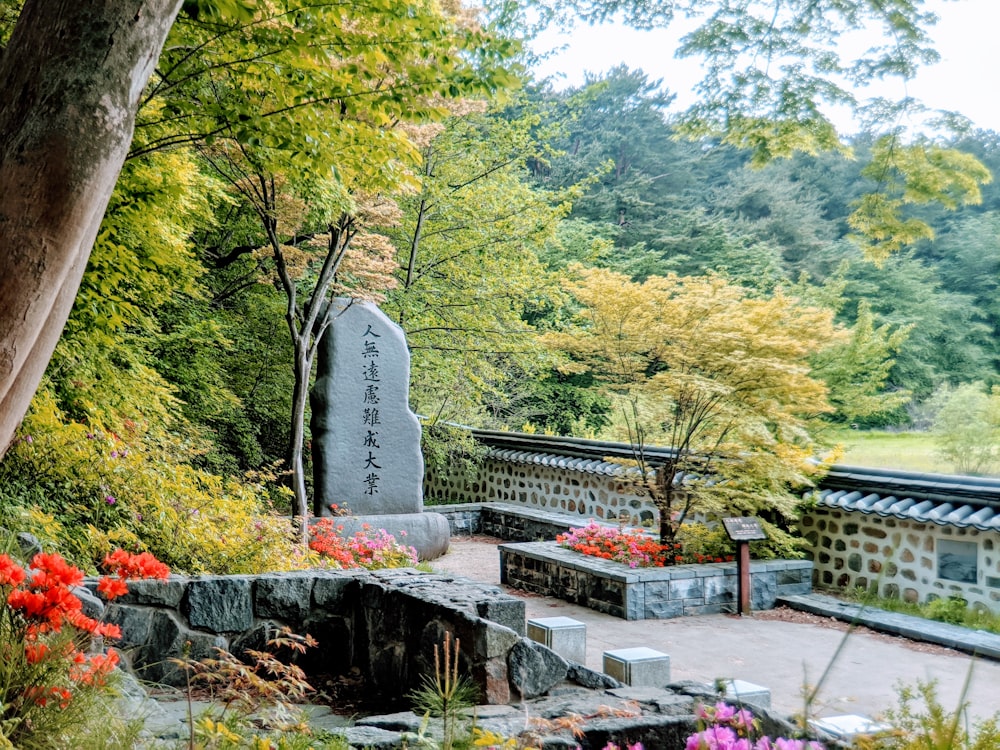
x,y
965,80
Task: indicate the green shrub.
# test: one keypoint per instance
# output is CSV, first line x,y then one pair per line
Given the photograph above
x,y
952,610
84,488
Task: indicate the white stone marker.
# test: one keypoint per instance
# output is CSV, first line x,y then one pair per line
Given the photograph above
x,y
638,666
564,635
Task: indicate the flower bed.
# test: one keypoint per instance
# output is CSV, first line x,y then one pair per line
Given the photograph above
x,y
649,593
633,547
367,548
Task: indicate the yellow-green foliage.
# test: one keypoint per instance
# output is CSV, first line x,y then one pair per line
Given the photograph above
x,y
84,488
723,377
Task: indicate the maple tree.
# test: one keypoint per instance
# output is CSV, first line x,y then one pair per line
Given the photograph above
x,y
723,378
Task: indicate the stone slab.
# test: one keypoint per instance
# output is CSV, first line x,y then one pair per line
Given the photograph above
x,y
847,727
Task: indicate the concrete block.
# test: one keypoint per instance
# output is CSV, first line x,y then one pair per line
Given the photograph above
x,y
639,666
564,635
742,693
849,726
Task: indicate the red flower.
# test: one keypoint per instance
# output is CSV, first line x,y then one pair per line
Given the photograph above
x,y
35,652
11,574
112,588
55,570
128,566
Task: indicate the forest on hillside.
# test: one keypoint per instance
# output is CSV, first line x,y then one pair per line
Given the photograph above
x,y
571,261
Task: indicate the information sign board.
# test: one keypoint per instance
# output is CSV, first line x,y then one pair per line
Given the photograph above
x,y
743,529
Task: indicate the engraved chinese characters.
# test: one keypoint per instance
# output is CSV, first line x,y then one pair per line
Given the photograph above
x,y
366,441
370,416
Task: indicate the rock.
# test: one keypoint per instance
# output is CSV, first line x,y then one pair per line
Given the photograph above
x,y
590,678
220,604
135,623
533,668
169,637
155,592
373,738
402,721
284,596
29,545
92,606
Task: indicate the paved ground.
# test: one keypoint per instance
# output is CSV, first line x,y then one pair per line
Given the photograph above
x,y
781,650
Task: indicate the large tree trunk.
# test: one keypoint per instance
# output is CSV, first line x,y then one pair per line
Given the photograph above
x,y
72,76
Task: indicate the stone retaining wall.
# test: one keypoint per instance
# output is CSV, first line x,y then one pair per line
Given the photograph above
x,y
384,623
513,523
898,558
646,593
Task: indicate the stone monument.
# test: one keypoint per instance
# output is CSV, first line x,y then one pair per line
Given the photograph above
x,y
365,439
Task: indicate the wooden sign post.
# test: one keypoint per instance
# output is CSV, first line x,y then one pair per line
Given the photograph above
x,y
743,530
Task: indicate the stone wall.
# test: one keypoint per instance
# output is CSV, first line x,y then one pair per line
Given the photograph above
x,y
646,593
551,488
513,523
918,561
384,623
895,557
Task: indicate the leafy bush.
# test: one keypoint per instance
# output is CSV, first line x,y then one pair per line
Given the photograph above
x,y
952,610
84,488
934,727
53,684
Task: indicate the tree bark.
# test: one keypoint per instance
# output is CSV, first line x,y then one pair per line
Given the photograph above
x,y
72,75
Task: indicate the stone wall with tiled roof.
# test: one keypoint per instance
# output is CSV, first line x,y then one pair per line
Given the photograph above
x,y
919,536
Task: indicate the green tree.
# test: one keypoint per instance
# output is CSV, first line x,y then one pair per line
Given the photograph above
x,y
308,113
949,338
856,370
795,66
469,274
967,427
721,378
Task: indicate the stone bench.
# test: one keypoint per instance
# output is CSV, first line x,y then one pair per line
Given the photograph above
x,y
564,635
638,666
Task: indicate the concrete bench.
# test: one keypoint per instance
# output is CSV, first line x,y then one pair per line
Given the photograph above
x,y
638,666
564,635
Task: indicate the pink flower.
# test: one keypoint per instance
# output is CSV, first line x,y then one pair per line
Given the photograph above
x,y
724,712
110,499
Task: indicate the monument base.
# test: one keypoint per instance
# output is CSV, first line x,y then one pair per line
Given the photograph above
x,y
428,533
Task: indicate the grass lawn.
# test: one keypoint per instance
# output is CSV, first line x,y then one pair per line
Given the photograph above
x,y
907,451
